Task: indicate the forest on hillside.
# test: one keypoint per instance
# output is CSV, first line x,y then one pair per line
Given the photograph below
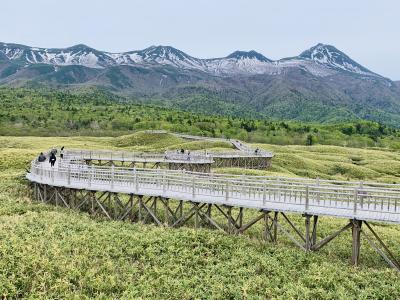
x,y
97,113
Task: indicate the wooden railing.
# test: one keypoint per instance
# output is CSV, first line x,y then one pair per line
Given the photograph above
x,y
362,200
245,149
138,157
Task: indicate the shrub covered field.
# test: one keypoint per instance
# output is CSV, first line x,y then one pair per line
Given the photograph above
x,y
50,252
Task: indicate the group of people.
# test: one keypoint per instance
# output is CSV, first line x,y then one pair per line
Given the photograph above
x,y
52,157
182,151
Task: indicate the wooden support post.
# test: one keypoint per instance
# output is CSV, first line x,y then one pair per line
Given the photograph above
x,y
308,236
229,213
314,231
267,228
91,195
208,212
275,227
180,209
166,206
45,193
35,191
140,206
196,219
154,205
356,231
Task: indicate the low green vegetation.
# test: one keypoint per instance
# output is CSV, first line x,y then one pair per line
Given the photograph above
x,y
95,113
49,252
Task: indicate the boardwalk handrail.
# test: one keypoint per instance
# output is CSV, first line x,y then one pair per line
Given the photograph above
x,y
138,156
241,146
366,201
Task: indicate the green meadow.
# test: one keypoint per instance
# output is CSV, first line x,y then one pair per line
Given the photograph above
x,y
52,252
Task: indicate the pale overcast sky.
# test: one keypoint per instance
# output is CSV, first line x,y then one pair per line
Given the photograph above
x,y
368,31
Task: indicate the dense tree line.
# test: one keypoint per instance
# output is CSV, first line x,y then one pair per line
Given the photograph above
x,y
94,112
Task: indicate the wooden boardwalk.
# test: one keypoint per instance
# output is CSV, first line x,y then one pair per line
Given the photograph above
x,y
106,155
357,201
244,157
244,149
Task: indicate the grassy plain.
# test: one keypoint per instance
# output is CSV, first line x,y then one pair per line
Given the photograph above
x,y
51,252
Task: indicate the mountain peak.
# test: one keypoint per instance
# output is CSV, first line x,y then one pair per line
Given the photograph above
x,y
166,55
334,58
319,51
80,47
248,55
163,52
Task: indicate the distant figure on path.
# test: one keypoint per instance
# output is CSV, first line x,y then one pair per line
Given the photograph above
x,y
62,152
52,159
41,157
182,151
188,157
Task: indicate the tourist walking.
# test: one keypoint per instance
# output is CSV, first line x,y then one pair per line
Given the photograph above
x,y
52,159
62,152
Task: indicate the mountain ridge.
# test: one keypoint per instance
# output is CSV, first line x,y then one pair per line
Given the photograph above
x,y
322,84
320,60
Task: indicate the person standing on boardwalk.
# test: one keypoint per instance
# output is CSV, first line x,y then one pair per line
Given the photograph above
x,y
62,152
52,159
41,157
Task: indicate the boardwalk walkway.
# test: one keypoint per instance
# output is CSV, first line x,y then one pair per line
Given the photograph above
x,y
95,188
352,200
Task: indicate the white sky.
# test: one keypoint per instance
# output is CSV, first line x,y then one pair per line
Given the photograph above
x,y
368,31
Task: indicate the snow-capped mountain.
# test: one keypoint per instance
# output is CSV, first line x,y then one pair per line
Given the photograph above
x,y
320,60
75,55
163,55
328,55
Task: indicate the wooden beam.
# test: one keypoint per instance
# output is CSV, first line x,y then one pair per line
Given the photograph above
x,y
326,240
395,261
251,223
151,213
294,227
